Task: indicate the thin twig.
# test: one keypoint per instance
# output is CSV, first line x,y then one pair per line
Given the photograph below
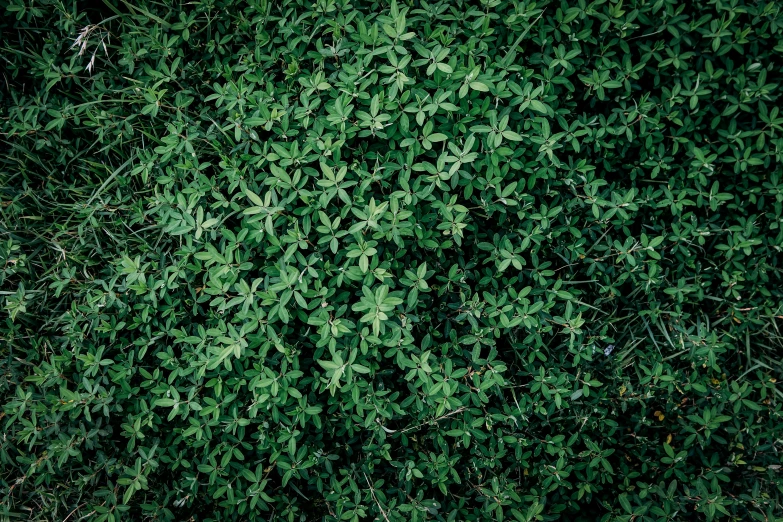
x,y
372,492
72,512
458,410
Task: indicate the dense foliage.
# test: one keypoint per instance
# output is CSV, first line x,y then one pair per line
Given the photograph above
x,y
359,260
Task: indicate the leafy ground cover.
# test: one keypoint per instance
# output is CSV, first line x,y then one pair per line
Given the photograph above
x,y
448,261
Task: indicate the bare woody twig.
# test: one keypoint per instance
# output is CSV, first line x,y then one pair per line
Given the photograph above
x,y
372,492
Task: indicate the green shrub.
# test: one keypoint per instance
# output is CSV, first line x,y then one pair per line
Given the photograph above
x,y
449,261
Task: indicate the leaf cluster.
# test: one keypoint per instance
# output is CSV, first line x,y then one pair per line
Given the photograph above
x,y
442,260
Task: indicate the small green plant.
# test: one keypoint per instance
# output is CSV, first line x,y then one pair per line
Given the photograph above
x,y
391,260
